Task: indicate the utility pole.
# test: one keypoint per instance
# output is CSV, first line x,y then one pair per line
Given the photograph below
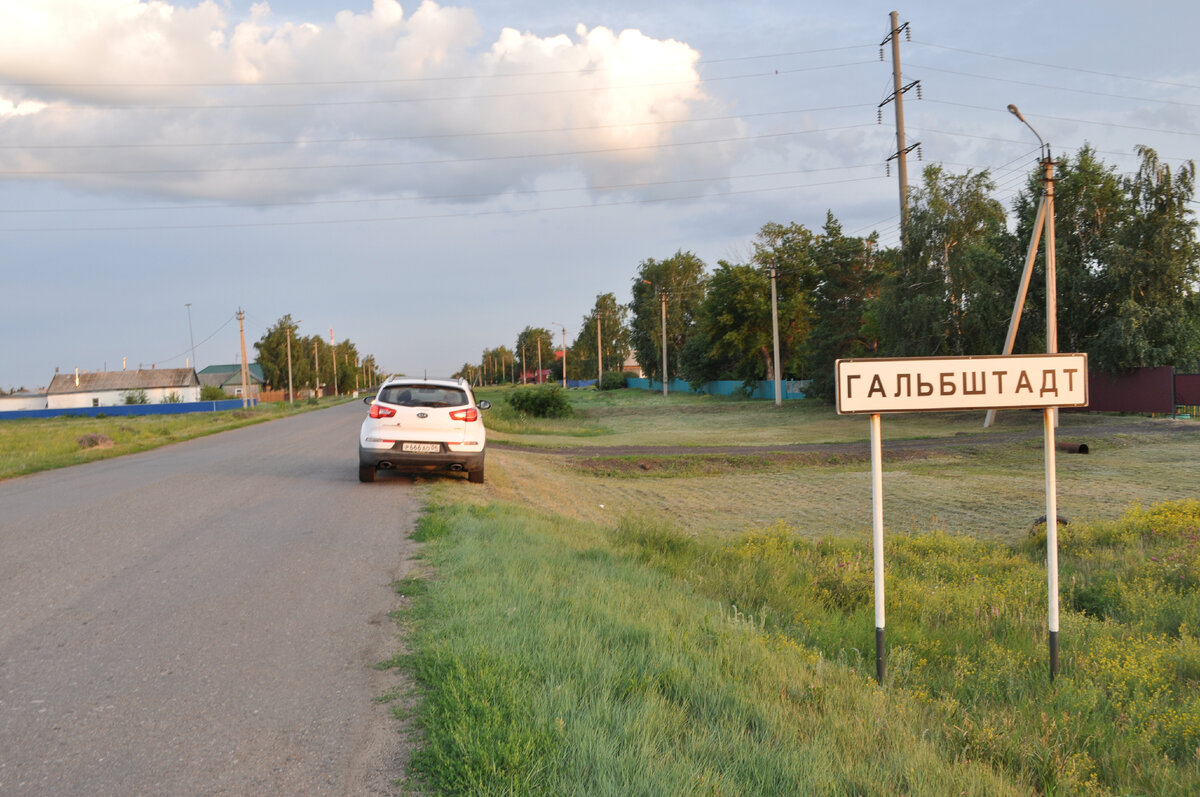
x,y
898,91
291,393
333,358
538,380
662,295
191,337
524,365
775,335
599,355
1044,220
564,334
317,366
245,367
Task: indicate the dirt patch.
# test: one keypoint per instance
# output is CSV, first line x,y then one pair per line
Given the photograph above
x,y
713,464
95,441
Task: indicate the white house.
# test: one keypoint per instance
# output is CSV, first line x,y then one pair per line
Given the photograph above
x,y
22,401
110,388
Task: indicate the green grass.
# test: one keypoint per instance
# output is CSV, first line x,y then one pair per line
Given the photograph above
x,y
644,418
562,658
554,661
32,445
703,623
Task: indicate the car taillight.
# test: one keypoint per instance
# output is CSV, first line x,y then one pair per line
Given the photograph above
x,y
471,414
379,411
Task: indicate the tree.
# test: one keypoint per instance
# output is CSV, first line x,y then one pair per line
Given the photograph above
x,y
789,251
1090,209
732,338
682,280
527,349
946,296
1153,273
848,277
614,331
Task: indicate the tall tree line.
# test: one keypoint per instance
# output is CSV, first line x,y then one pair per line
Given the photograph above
x,y
1128,267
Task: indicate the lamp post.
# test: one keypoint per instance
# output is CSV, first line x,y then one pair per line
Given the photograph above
x,y
1043,220
564,334
1050,414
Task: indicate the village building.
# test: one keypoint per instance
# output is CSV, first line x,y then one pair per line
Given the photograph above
x,y
112,388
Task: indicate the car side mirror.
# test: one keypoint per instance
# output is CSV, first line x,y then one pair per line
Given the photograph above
x,y
484,404
368,399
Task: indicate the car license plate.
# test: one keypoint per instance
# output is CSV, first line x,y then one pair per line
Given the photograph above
x,y
421,448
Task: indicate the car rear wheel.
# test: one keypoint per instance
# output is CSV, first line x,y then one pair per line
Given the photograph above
x,y
366,473
475,476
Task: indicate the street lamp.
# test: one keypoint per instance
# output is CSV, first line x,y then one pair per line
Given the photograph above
x,y
564,333
1045,218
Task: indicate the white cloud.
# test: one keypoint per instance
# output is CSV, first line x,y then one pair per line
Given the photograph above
x,y
185,98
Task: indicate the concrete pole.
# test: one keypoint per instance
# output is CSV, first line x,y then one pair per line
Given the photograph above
x,y
901,155
663,296
775,335
599,355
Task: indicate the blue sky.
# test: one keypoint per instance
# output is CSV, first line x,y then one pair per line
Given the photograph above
x,y
429,179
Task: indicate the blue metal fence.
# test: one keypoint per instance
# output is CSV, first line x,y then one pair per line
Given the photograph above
x,y
764,389
129,409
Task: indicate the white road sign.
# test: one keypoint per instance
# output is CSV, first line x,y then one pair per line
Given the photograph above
x,y
930,384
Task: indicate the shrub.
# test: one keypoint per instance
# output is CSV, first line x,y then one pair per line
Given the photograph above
x,y
172,398
135,397
546,401
613,380
212,393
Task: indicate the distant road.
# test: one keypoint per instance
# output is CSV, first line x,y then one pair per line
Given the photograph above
x,y
200,619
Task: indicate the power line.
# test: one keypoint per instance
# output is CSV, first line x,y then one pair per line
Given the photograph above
x,y
441,161
1057,88
206,340
472,97
1068,119
409,80
434,136
431,216
433,197
1057,66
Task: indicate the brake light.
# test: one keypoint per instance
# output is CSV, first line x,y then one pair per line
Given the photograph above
x,y
468,415
379,411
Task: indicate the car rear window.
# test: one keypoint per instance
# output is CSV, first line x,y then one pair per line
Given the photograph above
x,y
423,396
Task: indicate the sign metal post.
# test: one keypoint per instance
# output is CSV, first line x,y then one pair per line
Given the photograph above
x,y
937,384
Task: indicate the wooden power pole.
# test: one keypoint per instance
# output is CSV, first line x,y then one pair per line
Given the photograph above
x,y
245,367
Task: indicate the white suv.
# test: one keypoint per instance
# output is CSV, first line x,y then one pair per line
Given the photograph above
x,y
420,425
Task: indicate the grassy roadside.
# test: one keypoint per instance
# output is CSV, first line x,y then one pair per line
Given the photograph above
x,y
560,658
575,641
32,445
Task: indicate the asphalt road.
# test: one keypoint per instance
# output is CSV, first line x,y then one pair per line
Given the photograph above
x,y
200,619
